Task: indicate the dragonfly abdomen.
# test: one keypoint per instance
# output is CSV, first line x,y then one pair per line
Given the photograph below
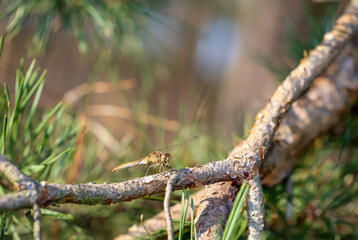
x,y
129,164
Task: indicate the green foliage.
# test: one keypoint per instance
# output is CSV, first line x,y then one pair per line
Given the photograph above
x,y
3,226
186,228
56,214
148,233
184,210
236,223
192,225
110,31
323,186
298,41
318,22
36,145
325,193
42,142
39,142
94,23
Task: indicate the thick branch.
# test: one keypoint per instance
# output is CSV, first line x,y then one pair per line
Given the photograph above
x,y
242,162
318,110
217,202
267,120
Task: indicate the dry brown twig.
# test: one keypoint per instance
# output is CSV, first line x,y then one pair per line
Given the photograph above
x,y
242,163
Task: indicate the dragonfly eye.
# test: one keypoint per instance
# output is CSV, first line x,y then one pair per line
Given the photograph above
x,y
167,156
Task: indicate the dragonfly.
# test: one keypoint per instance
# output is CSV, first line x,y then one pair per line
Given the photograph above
x,y
160,157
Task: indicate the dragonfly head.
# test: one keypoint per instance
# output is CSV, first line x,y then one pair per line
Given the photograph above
x,y
166,159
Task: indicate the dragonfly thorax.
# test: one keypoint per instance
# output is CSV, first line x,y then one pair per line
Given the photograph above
x,y
158,158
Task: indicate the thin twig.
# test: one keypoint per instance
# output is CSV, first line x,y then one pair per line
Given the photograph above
x,y
93,194
255,210
168,194
37,222
243,164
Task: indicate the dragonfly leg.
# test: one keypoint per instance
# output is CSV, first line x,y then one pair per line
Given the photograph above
x,y
155,166
148,169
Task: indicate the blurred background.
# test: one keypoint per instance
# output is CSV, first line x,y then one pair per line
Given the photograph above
x,y
141,75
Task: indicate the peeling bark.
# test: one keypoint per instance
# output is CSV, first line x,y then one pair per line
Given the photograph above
x,y
218,201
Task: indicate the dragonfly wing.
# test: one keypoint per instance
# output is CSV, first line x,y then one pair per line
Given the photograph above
x,y
153,158
175,147
142,161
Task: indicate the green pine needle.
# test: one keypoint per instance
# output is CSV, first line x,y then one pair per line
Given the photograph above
x,y
233,224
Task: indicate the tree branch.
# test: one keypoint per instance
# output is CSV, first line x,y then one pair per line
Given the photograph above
x,y
313,114
321,108
13,173
27,186
318,110
267,120
93,194
242,162
217,201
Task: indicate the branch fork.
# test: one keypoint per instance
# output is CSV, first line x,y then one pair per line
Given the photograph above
x,y
241,165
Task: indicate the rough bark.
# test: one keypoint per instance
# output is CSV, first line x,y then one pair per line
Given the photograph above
x,y
219,201
318,110
255,210
242,163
